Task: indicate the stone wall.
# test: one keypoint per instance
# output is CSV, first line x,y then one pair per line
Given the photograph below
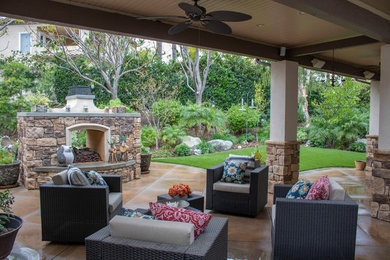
x,y
41,134
371,146
380,205
283,162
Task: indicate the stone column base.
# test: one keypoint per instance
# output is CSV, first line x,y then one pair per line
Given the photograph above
x,y
380,205
371,146
283,162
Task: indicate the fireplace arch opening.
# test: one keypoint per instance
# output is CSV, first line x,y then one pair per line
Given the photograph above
x,y
97,138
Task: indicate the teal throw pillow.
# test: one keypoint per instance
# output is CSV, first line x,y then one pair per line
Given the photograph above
x,y
233,171
95,179
135,214
299,190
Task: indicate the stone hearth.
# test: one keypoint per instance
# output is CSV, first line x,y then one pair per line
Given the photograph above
x,y
41,134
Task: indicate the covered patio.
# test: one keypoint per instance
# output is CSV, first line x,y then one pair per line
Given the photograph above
x,y
345,37
372,235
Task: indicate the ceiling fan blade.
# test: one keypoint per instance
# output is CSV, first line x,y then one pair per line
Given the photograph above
x,y
228,16
179,27
161,17
190,8
217,26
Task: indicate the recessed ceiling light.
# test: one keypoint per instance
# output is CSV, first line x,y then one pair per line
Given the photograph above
x,y
260,25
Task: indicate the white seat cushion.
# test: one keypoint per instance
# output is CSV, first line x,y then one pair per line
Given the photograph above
x,y
114,199
231,187
273,214
336,192
159,231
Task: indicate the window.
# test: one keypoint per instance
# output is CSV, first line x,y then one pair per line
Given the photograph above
x,y
25,43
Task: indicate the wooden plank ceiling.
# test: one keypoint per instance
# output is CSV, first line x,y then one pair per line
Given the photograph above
x,y
306,34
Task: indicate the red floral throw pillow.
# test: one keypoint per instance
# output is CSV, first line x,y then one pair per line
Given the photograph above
x,y
319,190
168,213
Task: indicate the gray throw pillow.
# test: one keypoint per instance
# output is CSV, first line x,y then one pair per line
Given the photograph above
x,y
76,177
60,178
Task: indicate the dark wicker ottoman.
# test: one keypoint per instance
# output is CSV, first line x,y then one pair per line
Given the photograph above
x,y
196,201
211,244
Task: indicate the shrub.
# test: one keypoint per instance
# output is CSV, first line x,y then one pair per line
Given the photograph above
x,y
205,147
79,139
225,137
182,150
263,133
171,109
237,118
163,152
171,134
8,153
148,136
357,147
302,134
243,137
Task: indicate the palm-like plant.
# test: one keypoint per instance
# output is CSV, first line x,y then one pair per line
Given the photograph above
x,y
199,116
172,134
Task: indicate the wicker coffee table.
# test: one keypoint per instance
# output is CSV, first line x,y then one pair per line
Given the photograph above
x,y
196,201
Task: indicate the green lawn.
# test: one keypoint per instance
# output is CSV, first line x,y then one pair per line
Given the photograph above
x,y
311,158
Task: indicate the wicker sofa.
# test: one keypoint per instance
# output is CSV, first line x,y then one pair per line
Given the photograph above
x,y
71,213
211,244
313,229
247,202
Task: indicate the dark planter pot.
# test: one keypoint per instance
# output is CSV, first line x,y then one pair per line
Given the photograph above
x,y
145,162
9,174
39,108
7,239
121,110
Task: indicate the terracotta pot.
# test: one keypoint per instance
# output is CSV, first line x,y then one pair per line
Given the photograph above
x,y
9,174
360,165
7,239
145,162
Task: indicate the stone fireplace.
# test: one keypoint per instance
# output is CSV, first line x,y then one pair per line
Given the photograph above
x,y
41,134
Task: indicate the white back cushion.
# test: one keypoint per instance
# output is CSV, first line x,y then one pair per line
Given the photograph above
x,y
336,192
159,231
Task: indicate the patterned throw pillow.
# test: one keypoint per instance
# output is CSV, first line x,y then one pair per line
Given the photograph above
x,y
299,190
320,189
233,171
135,214
95,179
165,212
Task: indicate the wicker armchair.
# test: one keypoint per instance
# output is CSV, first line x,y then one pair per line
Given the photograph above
x,y
71,213
313,229
210,245
243,203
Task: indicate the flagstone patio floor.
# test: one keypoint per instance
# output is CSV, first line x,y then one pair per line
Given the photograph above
x,y
249,238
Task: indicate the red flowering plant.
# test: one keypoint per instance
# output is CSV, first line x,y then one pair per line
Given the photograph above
x,y
180,189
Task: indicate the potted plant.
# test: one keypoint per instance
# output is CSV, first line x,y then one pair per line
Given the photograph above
x,y
117,106
9,165
360,165
258,157
146,157
9,224
38,102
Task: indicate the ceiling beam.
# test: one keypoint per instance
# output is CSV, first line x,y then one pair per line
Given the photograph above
x,y
327,46
51,12
92,19
335,67
345,14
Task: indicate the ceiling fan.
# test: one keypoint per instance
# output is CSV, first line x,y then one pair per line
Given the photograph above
x,y
212,21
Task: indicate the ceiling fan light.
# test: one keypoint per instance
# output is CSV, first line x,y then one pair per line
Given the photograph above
x,y
318,63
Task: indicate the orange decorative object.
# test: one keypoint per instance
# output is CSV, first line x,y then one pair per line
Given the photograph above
x,y
180,189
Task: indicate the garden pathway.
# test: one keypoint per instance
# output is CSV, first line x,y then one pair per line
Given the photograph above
x,y
249,238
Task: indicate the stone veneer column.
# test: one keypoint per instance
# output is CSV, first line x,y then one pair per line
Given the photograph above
x,y
380,205
282,148
371,146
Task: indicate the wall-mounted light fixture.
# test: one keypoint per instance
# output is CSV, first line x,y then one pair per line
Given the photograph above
x,y
368,74
317,63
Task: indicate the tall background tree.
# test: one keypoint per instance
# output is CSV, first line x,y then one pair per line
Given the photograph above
x,y
110,54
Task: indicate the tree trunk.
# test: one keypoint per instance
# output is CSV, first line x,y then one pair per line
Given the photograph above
x,y
198,98
174,52
159,49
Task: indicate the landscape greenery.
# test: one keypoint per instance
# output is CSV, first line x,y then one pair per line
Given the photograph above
x,y
333,111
